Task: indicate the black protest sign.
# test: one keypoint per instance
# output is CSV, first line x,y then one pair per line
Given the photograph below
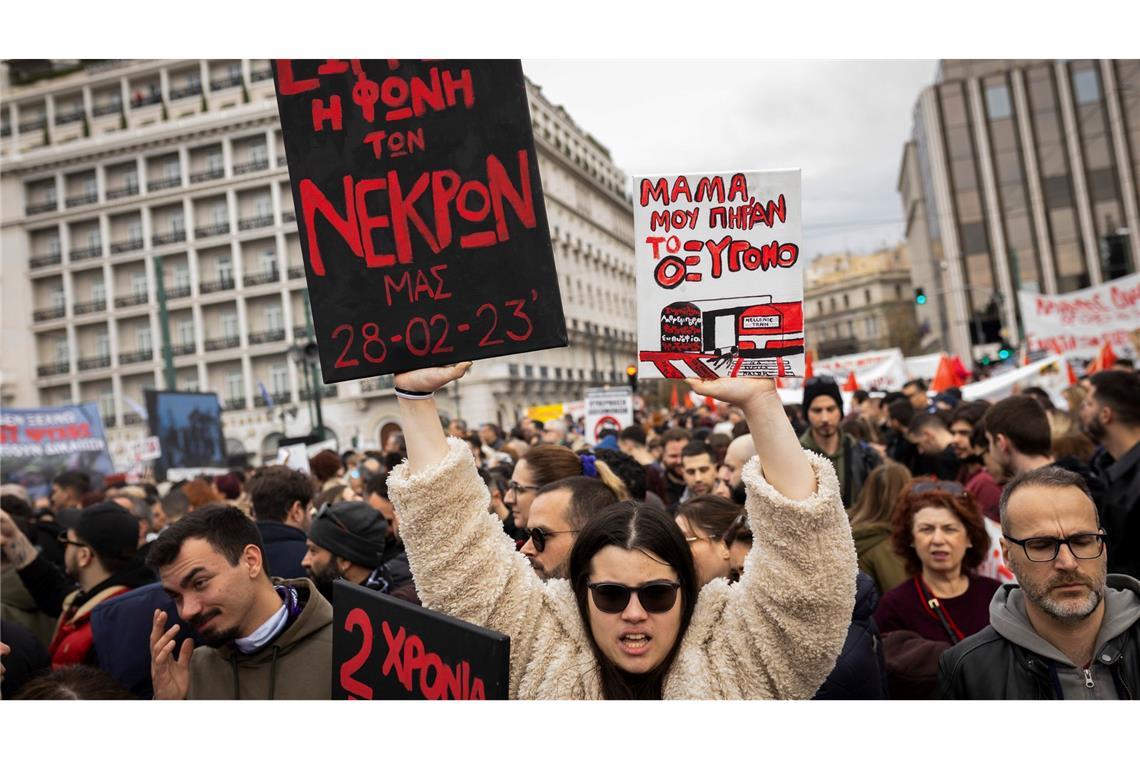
x,y
386,648
420,212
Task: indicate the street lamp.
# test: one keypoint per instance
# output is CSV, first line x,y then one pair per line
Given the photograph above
x,y
307,355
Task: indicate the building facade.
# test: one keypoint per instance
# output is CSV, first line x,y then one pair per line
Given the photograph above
x,y
115,171
859,303
1020,175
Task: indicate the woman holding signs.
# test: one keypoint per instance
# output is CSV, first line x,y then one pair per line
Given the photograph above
x,y
632,622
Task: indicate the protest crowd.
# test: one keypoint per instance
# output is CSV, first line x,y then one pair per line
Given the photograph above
x,y
904,545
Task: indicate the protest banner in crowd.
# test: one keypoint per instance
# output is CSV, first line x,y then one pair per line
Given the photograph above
x,y
421,213
386,648
1050,374
189,429
38,444
873,369
1077,324
545,412
608,410
719,274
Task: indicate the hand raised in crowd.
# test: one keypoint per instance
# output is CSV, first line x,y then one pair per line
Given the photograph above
x,y
170,676
430,379
737,391
424,436
19,550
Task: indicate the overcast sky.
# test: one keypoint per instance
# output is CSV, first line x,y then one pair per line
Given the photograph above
x,y
843,123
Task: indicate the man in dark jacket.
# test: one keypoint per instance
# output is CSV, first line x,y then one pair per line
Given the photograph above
x,y
860,672
1111,415
262,640
350,540
1069,630
281,497
853,460
934,440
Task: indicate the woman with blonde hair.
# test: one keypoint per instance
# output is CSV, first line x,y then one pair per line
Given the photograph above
x,y
871,525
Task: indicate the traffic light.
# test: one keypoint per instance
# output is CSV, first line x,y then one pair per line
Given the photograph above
x,y
1004,353
920,296
631,376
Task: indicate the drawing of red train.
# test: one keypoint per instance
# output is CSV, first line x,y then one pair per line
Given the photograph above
x,y
749,334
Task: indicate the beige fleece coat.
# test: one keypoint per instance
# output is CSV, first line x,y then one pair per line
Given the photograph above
x,y
775,634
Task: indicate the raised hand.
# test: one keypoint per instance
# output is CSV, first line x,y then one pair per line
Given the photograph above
x,y
17,548
431,379
170,676
738,391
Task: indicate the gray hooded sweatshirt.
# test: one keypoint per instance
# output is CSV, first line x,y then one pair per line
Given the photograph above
x,y
1121,611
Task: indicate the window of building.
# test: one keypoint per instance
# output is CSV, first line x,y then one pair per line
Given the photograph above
x,y
235,387
866,295
189,383
259,152
263,206
997,102
57,297
279,378
269,261
974,238
102,345
225,269
98,291
53,247
131,180
186,331
846,301
214,161
1086,86
181,276
172,168
221,214
229,324
62,353
177,221
142,339
273,318
93,238
107,405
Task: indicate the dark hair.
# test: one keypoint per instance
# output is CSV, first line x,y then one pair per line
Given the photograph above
x,y
74,480
675,434
274,488
924,420
712,514
879,495
74,682
633,433
1120,392
740,530
633,526
893,396
859,429
901,412
175,504
228,485
550,462
1046,477
588,496
324,465
21,513
918,383
859,396
961,503
627,469
226,529
695,449
1040,395
970,412
1023,421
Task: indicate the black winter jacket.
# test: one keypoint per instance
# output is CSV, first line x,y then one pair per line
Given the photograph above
x,y
861,671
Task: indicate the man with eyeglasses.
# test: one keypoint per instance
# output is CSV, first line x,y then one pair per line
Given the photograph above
x,y
556,515
1068,630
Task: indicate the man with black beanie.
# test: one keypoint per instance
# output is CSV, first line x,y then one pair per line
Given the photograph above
x,y
852,459
100,556
350,540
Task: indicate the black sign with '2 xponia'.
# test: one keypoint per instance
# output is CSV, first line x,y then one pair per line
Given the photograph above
x,y
420,212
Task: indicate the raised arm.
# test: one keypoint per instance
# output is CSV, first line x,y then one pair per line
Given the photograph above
x,y
423,435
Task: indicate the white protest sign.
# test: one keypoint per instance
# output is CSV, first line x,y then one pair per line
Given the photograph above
x,y
719,274
1051,374
608,410
1077,324
294,456
923,366
873,369
146,450
326,445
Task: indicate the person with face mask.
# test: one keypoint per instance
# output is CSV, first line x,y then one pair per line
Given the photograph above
x,y
350,540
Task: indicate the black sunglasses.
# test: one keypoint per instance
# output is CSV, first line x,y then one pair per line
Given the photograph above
x,y
538,537
655,596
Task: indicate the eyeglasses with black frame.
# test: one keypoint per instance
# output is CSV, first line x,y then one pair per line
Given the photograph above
x,y
1046,548
655,597
63,540
516,487
538,537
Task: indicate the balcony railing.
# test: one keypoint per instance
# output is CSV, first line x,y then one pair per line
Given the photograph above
x,y
186,91
213,286
296,272
33,124
181,349
255,222
132,418
88,307
210,230
134,357
175,236
288,216
208,174
261,279
45,260
127,245
178,292
81,200
132,300
56,368
277,397
259,74
146,100
122,192
267,336
5,130
251,166
163,183
69,117
302,331
96,362
221,84
219,344
376,384
107,108
281,160
90,252
41,207
43,315
233,403
327,391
